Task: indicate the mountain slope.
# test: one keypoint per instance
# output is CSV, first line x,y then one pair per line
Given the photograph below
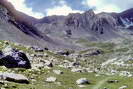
x,y
95,27
19,27
63,31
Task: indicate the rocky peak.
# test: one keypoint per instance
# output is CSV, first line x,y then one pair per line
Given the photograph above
x,y
105,18
126,18
19,16
90,13
127,14
73,20
80,20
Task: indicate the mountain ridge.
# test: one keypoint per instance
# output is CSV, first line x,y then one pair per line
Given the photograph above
x,y
65,31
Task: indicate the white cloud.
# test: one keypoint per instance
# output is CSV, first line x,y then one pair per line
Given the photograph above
x,y
62,9
108,8
21,6
102,6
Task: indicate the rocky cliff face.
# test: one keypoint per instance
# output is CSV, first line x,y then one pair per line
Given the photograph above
x,y
102,26
19,27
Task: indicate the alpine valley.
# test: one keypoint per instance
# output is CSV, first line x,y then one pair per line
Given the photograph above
x,y
77,51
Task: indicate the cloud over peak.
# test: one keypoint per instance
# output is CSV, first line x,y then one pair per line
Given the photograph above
x,y
41,8
102,6
62,9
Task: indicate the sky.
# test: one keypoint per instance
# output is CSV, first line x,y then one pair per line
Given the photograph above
x,y
42,8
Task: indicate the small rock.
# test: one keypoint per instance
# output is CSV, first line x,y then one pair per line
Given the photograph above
x,y
2,88
65,53
37,49
37,66
105,88
58,83
77,70
51,79
6,42
40,55
123,87
93,52
70,88
82,86
75,64
58,72
48,63
112,81
82,81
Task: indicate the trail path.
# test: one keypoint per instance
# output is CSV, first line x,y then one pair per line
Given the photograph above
x,y
99,84
108,62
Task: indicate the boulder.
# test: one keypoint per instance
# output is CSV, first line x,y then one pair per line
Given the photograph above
x,y
38,49
48,63
112,81
40,55
12,58
37,66
64,53
51,79
82,86
123,87
93,52
75,64
82,81
58,72
77,70
12,77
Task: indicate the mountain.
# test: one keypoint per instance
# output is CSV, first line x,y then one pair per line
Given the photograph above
x,y
63,31
18,27
102,26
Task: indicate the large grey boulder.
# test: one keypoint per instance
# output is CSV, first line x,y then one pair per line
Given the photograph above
x,y
82,81
12,77
12,58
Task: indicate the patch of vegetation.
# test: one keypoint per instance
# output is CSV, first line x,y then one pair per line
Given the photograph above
x,y
68,79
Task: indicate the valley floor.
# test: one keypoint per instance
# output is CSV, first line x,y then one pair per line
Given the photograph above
x,y
107,66
68,81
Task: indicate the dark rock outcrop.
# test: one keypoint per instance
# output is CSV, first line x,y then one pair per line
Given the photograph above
x,y
12,58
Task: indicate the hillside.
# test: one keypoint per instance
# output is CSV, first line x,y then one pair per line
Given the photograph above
x,y
57,32
78,51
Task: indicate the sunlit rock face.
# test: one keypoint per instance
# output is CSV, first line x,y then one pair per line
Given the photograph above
x,y
102,26
19,27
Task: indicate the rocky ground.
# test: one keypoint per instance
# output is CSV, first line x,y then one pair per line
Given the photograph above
x,y
101,66
78,51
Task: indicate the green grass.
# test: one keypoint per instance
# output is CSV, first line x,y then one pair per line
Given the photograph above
x,y
68,79
122,81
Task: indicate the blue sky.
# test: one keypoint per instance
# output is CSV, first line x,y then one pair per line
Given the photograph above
x,y
41,8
